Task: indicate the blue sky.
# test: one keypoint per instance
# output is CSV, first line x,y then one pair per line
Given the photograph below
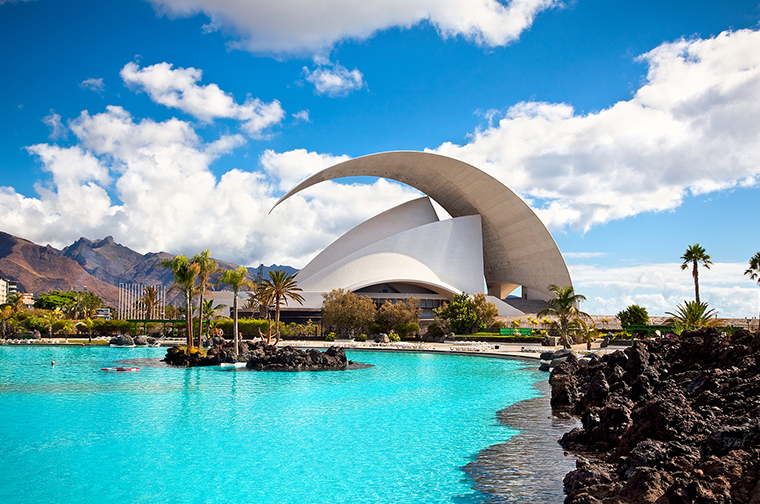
x,y
632,128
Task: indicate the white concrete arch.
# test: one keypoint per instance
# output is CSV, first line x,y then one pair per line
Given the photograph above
x,y
517,247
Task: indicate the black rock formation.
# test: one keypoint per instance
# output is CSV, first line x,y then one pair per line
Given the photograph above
x,y
671,420
260,357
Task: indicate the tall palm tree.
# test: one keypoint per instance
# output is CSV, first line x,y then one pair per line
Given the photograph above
x,y
206,267
564,306
694,255
235,279
754,269
184,281
280,287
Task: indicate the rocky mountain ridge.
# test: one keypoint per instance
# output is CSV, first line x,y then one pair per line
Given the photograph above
x,y
98,266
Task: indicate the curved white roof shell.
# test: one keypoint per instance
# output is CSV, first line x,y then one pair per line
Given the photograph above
x,y
406,244
517,249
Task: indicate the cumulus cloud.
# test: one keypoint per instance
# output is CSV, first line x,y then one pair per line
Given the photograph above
x,y
149,185
293,166
57,129
303,26
692,128
333,79
661,287
302,115
178,88
93,84
583,255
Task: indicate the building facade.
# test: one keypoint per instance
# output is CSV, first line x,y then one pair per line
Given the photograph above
x,y
492,243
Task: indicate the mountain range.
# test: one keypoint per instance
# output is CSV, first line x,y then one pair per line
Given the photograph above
x,y
97,266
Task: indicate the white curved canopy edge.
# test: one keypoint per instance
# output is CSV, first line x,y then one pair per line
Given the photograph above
x,y
517,247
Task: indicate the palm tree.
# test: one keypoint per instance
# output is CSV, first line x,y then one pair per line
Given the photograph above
x,y
564,306
149,301
260,299
754,269
694,255
184,281
588,332
692,315
235,279
211,312
206,267
16,302
280,287
49,319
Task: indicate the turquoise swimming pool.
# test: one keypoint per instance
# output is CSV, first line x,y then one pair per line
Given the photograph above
x,y
399,431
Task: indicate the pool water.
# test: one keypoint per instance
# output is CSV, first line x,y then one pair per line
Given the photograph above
x,y
400,431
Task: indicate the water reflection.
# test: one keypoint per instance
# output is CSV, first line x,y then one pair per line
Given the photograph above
x,y
529,467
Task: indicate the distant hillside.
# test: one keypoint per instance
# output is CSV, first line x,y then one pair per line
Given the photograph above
x,y
98,265
42,269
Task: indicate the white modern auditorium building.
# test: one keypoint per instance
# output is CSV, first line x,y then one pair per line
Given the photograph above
x,y
493,240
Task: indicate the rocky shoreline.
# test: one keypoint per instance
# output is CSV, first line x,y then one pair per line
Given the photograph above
x,y
260,357
671,420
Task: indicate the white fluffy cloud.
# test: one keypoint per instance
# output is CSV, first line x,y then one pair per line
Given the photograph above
x,y
149,185
304,26
691,128
333,79
178,88
661,287
93,84
57,128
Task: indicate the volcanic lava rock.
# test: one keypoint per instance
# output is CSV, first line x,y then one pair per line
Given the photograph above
x,y
671,420
260,357
122,340
269,358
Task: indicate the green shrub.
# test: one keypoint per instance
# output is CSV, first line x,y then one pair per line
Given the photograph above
x,y
361,338
393,337
63,327
249,328
633,315
331,337
103,327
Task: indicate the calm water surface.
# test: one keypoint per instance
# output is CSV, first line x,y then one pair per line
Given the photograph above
x,y
400,431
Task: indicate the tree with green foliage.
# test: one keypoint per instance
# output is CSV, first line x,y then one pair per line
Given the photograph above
x,y
564,307
184,273
206,267
402,317
347,313
754,270
279,288
15,302
236,280
460,313
55,300
694,255
6,325
485,311
692,315
633,315
84,305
